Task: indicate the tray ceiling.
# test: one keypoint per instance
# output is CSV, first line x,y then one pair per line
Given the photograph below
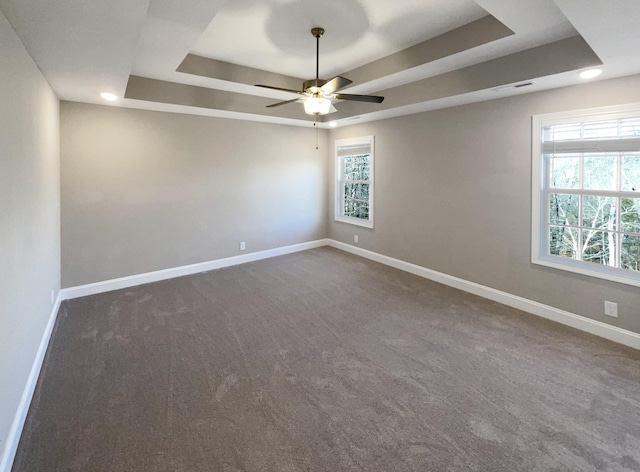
x,y
204,57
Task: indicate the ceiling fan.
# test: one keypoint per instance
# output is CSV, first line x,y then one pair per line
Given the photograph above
x,y
318,93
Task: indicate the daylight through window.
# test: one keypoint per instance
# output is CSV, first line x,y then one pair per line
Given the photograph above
x,y
586,214
354,184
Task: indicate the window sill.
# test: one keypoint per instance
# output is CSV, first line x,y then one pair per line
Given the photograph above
x,y
585,268
354,221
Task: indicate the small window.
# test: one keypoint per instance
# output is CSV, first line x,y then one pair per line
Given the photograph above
x,y
586,192
354,183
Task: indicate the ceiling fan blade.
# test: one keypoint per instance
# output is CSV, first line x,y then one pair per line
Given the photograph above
x,y
281,89
332,109
283,103
335,84
358,98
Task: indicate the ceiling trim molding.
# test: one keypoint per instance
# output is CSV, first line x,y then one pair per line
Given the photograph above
x,y
485,30
214,69
553,58
162,91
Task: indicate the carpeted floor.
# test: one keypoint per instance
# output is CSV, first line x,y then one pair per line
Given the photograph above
x,y
323,361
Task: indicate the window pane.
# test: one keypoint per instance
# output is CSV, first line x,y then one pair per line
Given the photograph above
x,y
356,167
601,129
599,247
565,171
563,132
349,190
349,207
364,192
599,212
563,209
348,166
355,209
630,215
364,211
630,252
630,127
363,173
563,241
631,173
599,171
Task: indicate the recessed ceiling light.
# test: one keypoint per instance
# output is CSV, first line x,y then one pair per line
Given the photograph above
x,y
333,124
590,73
112,97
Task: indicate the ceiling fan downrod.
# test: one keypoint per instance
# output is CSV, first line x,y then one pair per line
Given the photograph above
x,y
318,92
317,33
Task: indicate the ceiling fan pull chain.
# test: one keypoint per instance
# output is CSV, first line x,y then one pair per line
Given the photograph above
x,y
315,124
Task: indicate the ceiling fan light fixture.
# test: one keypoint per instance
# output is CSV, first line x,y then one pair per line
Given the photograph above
x,y
317,105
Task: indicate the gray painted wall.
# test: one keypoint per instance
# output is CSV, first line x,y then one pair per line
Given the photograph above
x,y
144,191
29,217
453,194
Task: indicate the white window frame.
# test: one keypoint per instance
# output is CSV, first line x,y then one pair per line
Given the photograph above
x,y
339,213
540,193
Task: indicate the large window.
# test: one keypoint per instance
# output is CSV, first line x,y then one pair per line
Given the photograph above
x,y
354,182
586,192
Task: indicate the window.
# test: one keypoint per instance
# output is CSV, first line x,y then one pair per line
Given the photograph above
x,y
586,192
354,183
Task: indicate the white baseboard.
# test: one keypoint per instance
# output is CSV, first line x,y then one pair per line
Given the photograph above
x,y
148,277
15,431
612,333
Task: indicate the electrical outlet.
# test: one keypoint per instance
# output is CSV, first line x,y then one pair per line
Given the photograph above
x,y
611,309
355,238
243,245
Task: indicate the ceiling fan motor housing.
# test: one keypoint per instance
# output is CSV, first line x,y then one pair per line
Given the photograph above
x,y
313,85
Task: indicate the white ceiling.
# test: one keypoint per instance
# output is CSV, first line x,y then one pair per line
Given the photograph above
x,y
84,48
275,35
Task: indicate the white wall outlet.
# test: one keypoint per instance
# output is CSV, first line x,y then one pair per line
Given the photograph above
x,y
243,245
611,309
355,238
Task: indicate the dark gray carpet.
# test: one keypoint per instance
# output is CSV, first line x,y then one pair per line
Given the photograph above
x,y
322,361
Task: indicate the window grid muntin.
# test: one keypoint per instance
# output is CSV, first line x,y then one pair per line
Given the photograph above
x,y
581,227
539,237
627,119
345,181
625,128
346,148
